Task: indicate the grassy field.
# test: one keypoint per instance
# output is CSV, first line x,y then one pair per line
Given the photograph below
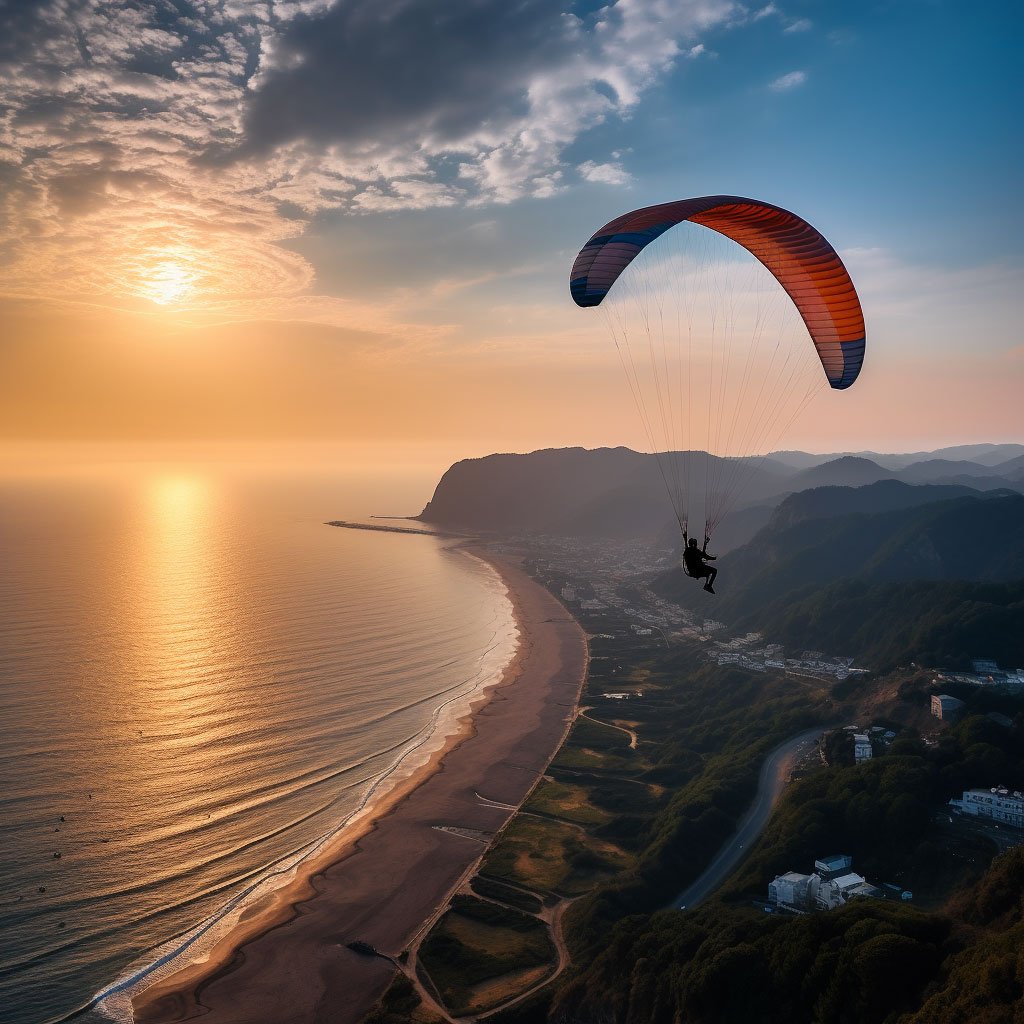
x,y
551,856
491,889
608,815
567,801
479,954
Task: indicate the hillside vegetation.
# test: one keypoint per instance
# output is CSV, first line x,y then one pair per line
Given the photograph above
x,y
932,583
868,962
889,624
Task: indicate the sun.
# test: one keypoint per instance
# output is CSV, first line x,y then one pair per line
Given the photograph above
x,y
166,276
167,283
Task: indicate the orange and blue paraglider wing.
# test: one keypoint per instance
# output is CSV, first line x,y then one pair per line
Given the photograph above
x,y
797,255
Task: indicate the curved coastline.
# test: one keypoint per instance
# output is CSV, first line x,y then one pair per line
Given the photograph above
x,y
221,932
287,950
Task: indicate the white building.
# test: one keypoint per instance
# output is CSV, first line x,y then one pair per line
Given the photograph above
x,y
793,891
832,867
832,885
837,891
861,747
997,803
568,593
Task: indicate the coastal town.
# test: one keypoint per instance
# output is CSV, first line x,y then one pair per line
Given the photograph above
x,y
609,589
609,584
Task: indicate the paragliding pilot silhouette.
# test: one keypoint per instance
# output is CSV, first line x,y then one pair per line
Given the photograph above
x,y
695,559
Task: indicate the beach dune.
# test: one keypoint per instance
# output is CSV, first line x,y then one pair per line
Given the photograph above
x,y
289,962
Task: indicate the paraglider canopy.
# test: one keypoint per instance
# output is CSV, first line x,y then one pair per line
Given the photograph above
x,y
796,254
714,344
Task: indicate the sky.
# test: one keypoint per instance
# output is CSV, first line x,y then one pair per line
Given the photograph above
x,y
352,223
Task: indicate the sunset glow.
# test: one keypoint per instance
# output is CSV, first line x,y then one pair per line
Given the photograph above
x,y
484,484
167,283
338,254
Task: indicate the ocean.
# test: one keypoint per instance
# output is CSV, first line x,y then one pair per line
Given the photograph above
x,y
200,682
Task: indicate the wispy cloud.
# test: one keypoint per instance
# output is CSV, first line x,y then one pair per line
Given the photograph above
x,y
789,81
605,174
772,10
147,145
930,304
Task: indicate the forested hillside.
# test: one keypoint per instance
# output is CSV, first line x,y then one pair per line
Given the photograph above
x,y
888,624
932,582
867,962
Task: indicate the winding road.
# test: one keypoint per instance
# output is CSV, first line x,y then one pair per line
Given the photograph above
x,y
771,783
769,788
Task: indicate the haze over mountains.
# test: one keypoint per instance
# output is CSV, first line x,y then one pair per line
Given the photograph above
x,y
620,493
921,559
981,454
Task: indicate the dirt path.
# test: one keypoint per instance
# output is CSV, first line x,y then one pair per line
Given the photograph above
x,y
558,938
609,725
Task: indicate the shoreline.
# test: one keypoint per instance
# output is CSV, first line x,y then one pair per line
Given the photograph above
x,y
383,877
187,955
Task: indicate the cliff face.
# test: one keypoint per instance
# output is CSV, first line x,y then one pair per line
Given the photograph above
x,y
607,492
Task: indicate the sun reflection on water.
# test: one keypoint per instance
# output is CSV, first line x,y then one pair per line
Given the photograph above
x,y
177,619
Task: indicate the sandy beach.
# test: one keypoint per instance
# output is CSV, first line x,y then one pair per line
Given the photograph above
x,y
287,961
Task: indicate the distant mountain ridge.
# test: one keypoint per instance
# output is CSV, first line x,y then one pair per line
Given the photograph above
x,y
620,493
846,471
987,454
881,496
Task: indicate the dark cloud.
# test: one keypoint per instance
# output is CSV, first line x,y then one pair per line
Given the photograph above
x,y
155,140
363,72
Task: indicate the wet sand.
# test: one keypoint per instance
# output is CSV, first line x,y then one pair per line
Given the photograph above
x,y
288,961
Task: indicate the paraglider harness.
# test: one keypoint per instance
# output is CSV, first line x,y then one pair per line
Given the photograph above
x,y
686,543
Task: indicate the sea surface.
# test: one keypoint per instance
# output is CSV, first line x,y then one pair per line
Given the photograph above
x,y
199,682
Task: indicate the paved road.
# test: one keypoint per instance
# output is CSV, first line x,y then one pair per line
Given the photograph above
x,y
769,788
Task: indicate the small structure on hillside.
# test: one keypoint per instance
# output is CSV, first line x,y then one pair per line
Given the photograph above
x,y
793,891
832,867
996,804
861,747
946,707
831,885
